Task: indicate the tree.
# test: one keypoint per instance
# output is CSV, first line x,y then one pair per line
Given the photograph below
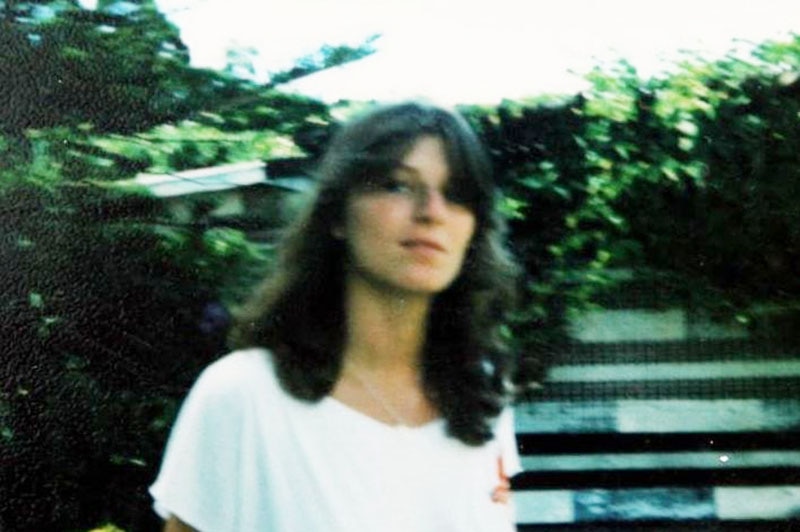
x,y
122,68
114,67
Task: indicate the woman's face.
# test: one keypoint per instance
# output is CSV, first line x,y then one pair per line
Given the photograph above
x,y
408,232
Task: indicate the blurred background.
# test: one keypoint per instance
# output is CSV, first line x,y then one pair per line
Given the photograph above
x,y
152,152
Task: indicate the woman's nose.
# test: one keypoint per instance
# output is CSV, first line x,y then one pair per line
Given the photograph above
x,y
431,205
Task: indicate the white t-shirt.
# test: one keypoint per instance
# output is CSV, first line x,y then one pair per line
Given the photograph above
x,y
245,456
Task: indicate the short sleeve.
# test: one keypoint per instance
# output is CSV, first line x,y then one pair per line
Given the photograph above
x,y
195,482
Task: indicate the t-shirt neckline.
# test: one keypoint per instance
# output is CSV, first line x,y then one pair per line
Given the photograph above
x,y
369,420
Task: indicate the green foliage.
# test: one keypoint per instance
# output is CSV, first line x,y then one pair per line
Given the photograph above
x,y
725,212
71,75
266,131
191,145
64,65
105,322
694,174
326,57
107,528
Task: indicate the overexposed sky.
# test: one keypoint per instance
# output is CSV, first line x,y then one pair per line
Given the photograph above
x,y
470,51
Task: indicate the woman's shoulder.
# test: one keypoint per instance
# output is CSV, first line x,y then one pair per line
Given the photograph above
x,y
237,372
244,360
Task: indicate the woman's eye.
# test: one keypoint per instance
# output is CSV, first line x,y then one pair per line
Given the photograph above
x,y
398,187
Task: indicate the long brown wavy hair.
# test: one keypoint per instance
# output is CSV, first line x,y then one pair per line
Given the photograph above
x,y
299,313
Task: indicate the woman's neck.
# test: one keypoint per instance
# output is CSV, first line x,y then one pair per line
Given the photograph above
x,y
385,329
382,354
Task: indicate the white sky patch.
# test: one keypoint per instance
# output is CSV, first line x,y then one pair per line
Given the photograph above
x,y
471,50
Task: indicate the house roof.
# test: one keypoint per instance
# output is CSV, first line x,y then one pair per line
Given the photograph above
x,y
218,178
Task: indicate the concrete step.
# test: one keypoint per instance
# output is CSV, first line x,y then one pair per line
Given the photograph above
x,y
676,418
675,351
704,369
637,325
658,416
676,505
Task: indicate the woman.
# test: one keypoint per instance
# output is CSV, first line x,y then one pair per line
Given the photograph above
x,y
371,388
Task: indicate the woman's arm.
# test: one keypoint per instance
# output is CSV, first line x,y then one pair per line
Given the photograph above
x,y
174,524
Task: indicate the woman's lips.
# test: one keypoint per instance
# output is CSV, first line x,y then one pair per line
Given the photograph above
x,y
423,244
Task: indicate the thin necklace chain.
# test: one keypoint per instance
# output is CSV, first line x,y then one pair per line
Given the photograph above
x,y
379,400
